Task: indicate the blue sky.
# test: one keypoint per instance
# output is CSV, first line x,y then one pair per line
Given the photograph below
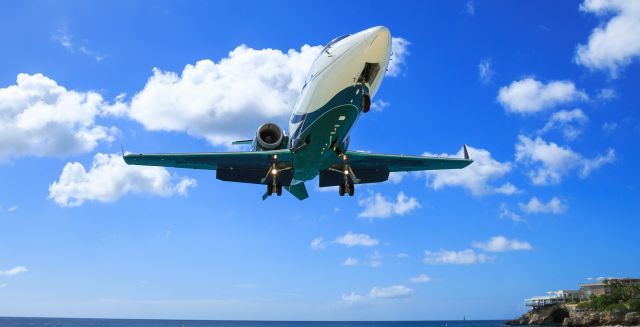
x,y
544,92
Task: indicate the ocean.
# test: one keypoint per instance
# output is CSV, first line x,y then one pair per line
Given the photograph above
x,y
85,322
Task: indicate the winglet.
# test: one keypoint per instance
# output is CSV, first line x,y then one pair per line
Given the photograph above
x,y
122,149
466,152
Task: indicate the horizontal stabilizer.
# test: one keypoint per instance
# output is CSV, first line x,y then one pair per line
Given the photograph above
x,y
242,142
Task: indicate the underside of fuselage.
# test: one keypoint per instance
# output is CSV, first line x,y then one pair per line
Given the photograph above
x,y
323,134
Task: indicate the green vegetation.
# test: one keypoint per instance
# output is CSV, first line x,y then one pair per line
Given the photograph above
x,y
621,298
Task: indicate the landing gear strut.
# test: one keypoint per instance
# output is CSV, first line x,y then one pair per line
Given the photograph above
x,y
273,186
348,186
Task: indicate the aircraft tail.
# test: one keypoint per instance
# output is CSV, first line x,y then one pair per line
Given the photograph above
x,y
298,190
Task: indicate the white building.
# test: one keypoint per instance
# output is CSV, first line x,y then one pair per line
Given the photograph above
x,y
554,297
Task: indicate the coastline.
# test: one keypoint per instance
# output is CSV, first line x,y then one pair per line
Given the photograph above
x,y
569,315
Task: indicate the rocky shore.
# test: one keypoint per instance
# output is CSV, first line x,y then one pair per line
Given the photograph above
x,y
568,315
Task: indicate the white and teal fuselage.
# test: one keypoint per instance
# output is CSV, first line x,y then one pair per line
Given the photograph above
x,y
331,99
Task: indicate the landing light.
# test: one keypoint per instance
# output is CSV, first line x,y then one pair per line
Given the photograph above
x,y
346,172
274,171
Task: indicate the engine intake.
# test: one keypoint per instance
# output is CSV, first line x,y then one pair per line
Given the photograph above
x,y
269,136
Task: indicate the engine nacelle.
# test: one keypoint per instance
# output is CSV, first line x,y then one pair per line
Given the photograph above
x,y
269,137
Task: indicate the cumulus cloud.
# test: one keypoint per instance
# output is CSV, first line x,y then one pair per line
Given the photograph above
x,y
570,122
13,271
615,44
379,105
485,72
471,8
554,206
550,162
350,239
475,177
379,206
446,257
110,178
40,118
388,293
422,278
507,189
400,51
529,96
317,244
375,260
503,244
607,94
226,100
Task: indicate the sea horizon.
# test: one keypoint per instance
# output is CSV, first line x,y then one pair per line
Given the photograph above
x,y
143,322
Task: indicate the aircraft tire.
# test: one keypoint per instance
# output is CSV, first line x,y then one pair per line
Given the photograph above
x,y
352,189
366,103
279,189
269,189
341,189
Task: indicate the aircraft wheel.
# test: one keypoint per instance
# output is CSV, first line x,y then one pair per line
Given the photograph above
x,y
279,189
269,189
341,189
366,103
352,189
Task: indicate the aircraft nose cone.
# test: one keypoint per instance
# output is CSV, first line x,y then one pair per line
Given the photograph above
x,y
378,34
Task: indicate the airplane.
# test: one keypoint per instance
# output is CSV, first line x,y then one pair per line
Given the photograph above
x,y
340,85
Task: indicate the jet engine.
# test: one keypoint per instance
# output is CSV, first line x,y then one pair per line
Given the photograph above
x,y
269,136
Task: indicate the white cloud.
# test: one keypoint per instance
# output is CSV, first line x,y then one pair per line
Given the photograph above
x,y
378,206
375,260
570,122
485,72
391,292
402,255
505,213
475,177
396,177
503,244
379,105
226,100
446,257
399,50
40,118
350,239
507,189
550,162
13,271
529,96
607,94
615,44
554,206
110,178
317,244
378,293
350,262
422,278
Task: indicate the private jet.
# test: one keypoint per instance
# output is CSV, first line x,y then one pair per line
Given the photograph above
x,y
340,86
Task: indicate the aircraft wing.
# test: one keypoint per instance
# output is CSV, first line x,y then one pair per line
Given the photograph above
x,y
213,160
391,163
363,160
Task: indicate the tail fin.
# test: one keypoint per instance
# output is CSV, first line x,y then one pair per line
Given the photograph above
x,y
298,190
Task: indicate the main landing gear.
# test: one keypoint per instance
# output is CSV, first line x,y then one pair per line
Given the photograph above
x,y
273,186
348,185
346,188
